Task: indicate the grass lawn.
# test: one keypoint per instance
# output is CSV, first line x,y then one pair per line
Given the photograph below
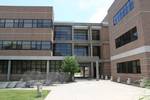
x,y
21,94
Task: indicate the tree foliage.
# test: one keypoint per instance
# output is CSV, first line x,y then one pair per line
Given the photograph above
x,y
70,64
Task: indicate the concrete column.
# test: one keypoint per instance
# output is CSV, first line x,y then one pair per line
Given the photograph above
x,y
89,33
72,33
91,50
47,69
9,70
92,70
72,49
97,70
72,40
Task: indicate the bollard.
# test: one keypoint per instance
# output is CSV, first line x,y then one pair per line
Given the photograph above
x,y
118,80
129,81
106,77
142,82
39,89
111,78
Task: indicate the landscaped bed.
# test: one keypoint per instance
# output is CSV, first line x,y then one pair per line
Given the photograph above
x,y
8,94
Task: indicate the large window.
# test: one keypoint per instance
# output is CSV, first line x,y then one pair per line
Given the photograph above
x,y
95,34
54,66
26,23
96,51
29,66
132,67
81,34
63,33
81,50
26,66
46,45
7,45
9,23
126,38
123,12
2,23
25,45
62,49
3,67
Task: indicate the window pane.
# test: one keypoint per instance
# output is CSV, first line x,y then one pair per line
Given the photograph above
x,y
95,35
61,49
46,45
1,44
16,23
81,50
38,45
127,37
34,24
63,33
26,45
2,23
33,46
81,34
14,45
20,23
19,45
9,24
40,23
123,12
28,23
46,23
7,45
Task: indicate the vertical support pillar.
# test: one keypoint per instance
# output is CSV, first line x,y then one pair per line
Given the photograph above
x,y
72,49
9,70
47,69
97,70
91,50
92,70
72,41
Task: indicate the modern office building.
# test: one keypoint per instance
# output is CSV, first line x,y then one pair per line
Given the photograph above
x,y
30,40
129,22
89,42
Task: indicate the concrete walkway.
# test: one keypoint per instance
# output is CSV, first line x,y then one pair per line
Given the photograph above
x,y
95,90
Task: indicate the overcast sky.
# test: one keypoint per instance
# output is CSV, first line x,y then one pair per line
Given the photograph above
x,y
70,10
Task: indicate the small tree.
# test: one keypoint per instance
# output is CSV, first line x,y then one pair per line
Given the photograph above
x,y
70,65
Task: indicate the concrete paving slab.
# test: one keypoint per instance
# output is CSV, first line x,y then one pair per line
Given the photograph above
x,y
95,90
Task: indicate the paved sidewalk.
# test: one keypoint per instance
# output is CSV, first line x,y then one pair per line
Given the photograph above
x,y
95,90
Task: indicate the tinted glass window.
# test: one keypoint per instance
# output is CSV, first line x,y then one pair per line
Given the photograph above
x,y
33,45
95,35
61,49
63,33
35,24
9,23
47,23
132,67
1,44
123,12
26,45
28,23
2,23
7,45
46,45
81,34
81,50
127,37
96,51
3,67
20,23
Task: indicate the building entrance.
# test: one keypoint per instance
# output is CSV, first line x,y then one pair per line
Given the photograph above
x,y
84,71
